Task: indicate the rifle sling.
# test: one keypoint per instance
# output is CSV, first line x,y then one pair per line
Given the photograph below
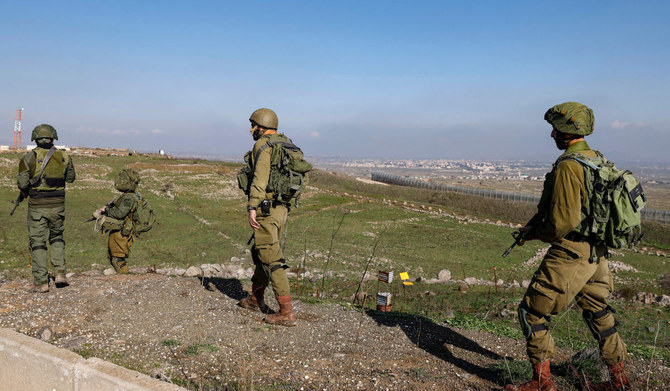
x,y
36,179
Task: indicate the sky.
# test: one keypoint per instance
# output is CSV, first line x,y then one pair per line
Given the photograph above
x,y
350,79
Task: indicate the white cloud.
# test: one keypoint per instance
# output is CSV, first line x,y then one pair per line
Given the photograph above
x,y
157,131
616,124
315,135
119,132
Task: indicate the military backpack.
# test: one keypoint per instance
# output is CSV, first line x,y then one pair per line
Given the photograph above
x,y
612,214
288,170
142,215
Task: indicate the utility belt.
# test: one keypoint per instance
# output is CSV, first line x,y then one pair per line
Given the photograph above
x,y
44,194
593,258
266,204
575,237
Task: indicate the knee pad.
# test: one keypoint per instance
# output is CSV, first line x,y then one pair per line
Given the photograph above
x,y
593,321
57,240
278,264
526,328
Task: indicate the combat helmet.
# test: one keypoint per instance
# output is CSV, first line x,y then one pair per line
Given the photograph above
x,y
571,118
265,118
126,180
44,131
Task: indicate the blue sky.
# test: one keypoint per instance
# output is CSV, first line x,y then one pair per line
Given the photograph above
x,y
431,79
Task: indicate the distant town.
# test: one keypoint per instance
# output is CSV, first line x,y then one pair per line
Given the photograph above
x,y
442,168
435,169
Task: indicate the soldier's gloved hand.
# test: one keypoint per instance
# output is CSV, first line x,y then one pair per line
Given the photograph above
x,y
523,231
96,214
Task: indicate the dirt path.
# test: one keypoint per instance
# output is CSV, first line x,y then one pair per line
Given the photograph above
x,y
191,330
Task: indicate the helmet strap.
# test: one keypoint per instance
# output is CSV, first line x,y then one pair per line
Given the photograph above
x,y
258,132
44,142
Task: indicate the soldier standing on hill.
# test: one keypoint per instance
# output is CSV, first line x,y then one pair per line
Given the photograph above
x,y
267,216
43,173
120,224
573,268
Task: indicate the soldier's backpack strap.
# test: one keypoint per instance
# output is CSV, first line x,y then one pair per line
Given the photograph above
x,y
272,144
262,148
36,179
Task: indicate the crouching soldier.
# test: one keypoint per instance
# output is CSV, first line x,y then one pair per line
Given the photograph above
x,y
118,219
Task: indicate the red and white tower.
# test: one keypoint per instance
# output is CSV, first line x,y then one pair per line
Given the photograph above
x,y
17,129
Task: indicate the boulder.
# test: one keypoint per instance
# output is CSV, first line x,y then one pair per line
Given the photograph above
x,y
192,271
444,275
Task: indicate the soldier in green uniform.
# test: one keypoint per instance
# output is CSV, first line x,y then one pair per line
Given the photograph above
x,y
573,268
118,219
267,216
43,173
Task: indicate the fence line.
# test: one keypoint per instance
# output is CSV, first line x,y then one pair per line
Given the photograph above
x,y
661,216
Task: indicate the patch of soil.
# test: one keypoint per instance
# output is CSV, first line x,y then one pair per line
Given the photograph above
x,y
191,331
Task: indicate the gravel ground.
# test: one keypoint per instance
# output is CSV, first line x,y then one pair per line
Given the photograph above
x,y
191,330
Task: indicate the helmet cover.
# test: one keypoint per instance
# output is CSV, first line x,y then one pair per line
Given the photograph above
x,y
126,180
571,118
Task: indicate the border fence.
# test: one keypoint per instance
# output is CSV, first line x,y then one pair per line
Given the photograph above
x,y
661,216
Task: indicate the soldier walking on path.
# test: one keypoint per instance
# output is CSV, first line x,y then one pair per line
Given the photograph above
x,y
43,173
574,267
267,216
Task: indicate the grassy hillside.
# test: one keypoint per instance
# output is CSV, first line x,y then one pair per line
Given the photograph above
x,y
341,224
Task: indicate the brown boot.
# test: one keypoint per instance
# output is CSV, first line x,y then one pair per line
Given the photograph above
x,y
541,381
42,288
285,316
119,264
617,382
61,280
256,300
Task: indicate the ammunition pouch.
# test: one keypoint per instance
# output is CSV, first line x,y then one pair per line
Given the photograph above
x,y
111,224
128,227
245,175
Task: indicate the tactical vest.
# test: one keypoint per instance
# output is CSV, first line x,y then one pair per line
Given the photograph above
x,y
53,178
288,170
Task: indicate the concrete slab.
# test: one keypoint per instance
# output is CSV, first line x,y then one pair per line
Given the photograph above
x,y
29,364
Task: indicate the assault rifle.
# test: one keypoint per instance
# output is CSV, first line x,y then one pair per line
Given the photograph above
x,y
17,201
518,237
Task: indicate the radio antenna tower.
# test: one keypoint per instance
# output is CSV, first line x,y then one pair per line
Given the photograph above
x,y
17,129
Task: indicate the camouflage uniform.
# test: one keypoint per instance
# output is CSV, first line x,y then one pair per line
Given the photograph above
x,y
46,209
120,240
119,222
268,223
567,271
574,267
266,251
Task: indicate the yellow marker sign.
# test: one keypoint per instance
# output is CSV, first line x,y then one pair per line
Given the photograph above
x,y
405,277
